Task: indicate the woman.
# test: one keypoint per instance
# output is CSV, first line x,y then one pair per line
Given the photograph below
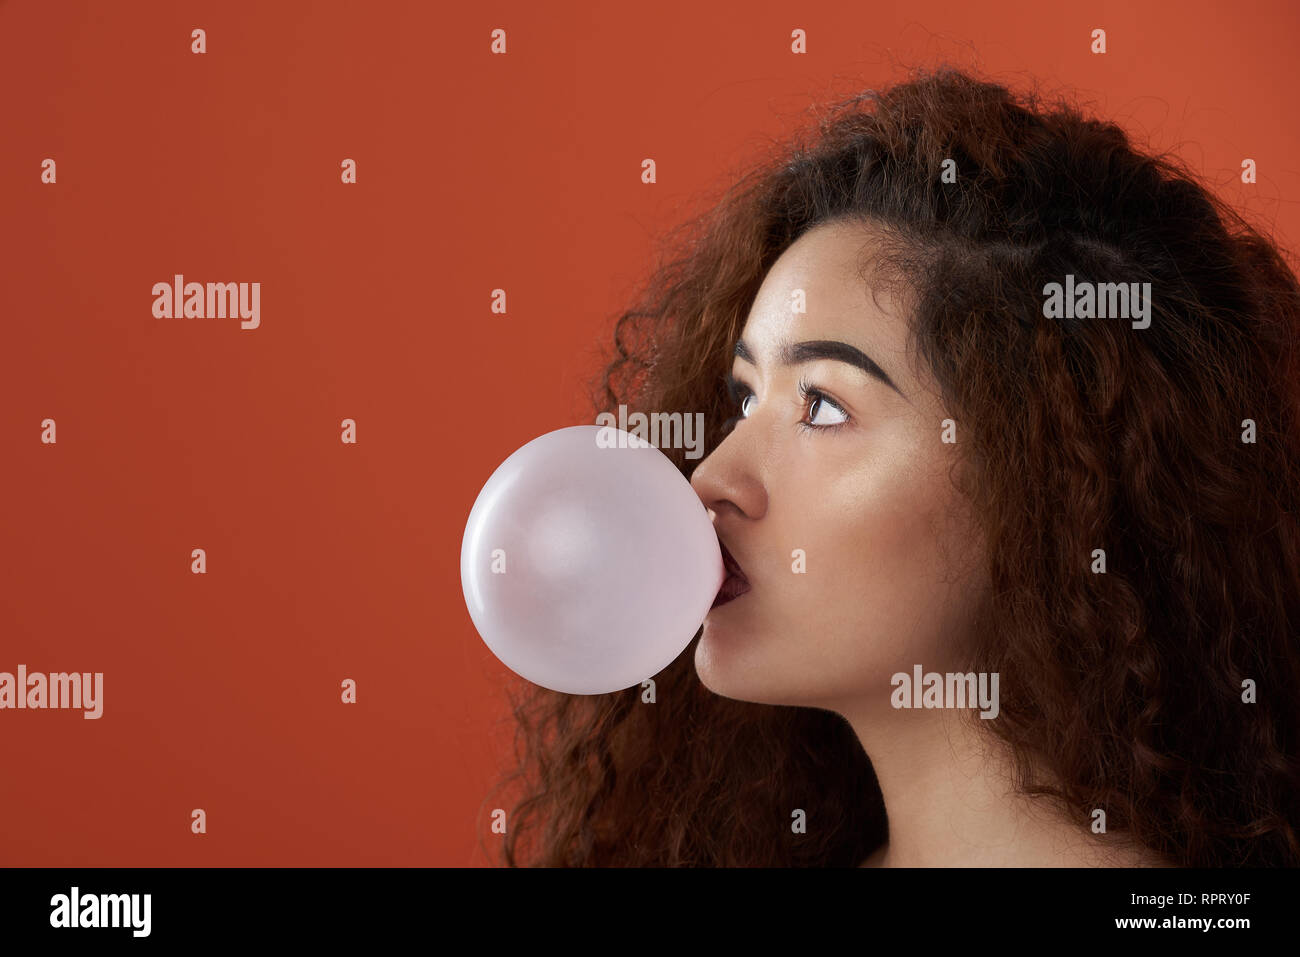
x,y
946,443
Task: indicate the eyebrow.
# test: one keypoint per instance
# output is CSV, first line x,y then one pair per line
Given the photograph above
x,y
793,353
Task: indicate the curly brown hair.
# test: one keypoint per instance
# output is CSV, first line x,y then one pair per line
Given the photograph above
x,y
1123,691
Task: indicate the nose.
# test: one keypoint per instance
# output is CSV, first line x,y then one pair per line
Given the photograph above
x,y
728,481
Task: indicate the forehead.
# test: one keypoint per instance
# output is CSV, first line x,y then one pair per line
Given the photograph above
x,y
822,274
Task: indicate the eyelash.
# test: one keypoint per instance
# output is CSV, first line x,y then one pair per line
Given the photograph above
x,y
808,392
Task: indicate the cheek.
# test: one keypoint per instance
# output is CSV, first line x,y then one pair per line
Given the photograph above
x,y
888,597
875,596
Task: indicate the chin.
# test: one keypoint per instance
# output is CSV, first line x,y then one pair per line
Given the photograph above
x,y
722,667
735,658
735,661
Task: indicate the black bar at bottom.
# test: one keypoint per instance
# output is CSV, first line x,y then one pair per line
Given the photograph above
x,y
481,906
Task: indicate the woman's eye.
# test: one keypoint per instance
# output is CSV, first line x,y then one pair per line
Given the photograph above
x,y
820,411
834,414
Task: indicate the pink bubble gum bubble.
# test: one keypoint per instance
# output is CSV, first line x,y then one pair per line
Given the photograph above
x,y
588,562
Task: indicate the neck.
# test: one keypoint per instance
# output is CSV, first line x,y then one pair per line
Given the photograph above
x,y
950,799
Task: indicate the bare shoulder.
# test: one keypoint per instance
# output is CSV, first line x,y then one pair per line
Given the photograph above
x,y
1118,854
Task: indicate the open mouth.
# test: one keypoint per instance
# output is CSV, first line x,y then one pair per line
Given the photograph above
x,y
735,584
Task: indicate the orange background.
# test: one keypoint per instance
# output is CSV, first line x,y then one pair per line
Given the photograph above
x,y
475,171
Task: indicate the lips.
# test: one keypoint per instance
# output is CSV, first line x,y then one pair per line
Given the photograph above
x,y
735,584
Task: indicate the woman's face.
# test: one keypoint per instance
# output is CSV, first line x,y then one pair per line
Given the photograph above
x,y
836,504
